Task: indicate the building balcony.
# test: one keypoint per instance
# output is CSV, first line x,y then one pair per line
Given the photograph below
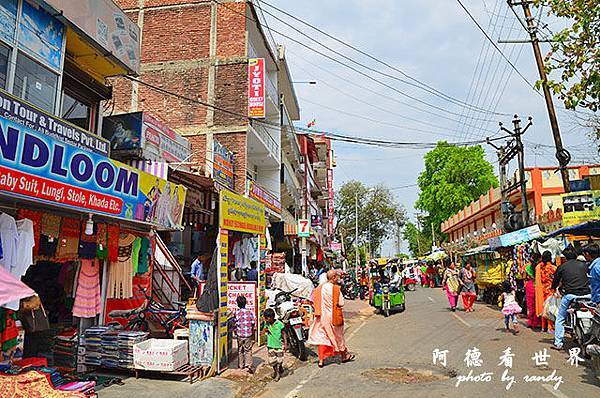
x,y
263,145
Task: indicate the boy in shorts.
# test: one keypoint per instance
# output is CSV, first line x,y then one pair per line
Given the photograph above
x,y
276,343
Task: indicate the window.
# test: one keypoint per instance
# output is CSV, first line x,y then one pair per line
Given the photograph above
x,y
76,111
35,84
4,58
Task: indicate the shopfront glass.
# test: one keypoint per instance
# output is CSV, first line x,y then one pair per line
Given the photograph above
x,y
35,84
4,59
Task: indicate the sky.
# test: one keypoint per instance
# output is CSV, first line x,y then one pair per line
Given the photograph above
x,y
435,42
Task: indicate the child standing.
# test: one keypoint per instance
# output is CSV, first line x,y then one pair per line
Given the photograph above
x,y
276,343
245,323
510,307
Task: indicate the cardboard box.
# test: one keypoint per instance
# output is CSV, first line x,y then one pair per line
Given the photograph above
x,y
160,354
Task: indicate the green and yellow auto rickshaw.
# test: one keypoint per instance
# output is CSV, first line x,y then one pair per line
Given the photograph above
x,y
386,287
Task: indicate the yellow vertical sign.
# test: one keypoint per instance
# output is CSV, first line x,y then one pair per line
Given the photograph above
x,y
222,353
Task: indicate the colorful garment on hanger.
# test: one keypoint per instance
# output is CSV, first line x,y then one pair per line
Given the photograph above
x,y
70,227
25,245
48,246
113,244
87,297
8,329
143,260
10,254
68,249
102,240
87,245
120,273
36,218
135,254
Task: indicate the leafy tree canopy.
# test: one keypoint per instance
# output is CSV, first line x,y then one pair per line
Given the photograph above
x,y
453,177
575,57
377,211
418,242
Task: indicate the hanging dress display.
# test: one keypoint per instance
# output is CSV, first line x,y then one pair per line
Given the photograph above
x,y
120,273
87,297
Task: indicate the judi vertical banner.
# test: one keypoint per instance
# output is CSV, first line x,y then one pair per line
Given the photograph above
x,y
256,88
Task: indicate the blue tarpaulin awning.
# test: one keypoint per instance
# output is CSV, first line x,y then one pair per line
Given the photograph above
x,y
588,228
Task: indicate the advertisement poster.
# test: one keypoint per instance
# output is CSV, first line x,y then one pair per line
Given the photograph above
x,y
37,167
123,131
8,20
265,197
223,351
237,213
166,143
20,112
222,165
580,207
256,88
41,35
104,22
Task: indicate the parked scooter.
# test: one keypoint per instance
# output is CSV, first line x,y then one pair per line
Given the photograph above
x,y
592,348
410,279
579,322
294,326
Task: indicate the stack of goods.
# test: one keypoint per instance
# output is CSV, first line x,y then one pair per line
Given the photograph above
x,y
277,263
65,349
126,342
110,349
93,345
83,387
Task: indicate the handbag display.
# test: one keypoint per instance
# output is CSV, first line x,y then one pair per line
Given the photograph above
x,y
34,320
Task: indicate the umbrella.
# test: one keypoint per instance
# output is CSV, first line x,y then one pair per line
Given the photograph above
x,y
11,288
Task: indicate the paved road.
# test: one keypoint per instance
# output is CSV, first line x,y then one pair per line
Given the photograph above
x,y
407,341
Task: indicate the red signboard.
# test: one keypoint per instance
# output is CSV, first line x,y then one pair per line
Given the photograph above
x,y
256,88
265,197
330,213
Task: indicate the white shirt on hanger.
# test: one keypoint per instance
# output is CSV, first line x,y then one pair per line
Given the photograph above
x,y
25,244
10,238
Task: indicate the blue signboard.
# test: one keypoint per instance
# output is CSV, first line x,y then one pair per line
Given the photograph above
x,y
41,35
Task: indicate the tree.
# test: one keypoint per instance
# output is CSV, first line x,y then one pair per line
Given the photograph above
x,y
575,52
378,214
453,177
418,242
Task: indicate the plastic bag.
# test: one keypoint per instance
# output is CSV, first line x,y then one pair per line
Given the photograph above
x,y
551,308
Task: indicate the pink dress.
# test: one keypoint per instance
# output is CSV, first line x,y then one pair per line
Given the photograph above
x,y
87,297
510,306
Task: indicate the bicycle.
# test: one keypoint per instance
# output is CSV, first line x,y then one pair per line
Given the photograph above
x,y
151,311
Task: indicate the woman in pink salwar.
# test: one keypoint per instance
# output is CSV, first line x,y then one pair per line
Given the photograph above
x,y
451,282
327,330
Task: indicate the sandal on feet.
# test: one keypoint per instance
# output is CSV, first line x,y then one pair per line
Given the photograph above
x,y
349,358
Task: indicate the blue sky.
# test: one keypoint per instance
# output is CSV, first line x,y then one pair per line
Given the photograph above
x,y
435,42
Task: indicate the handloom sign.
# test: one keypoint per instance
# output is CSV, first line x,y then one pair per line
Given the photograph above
x,y
38,167
237,213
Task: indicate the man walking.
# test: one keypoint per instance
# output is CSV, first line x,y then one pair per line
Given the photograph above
x,y
245,324
573,281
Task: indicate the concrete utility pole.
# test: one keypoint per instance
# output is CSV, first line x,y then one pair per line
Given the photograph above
x,y
562,155
356,231
514,148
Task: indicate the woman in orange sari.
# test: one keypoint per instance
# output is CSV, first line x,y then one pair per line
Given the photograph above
x,y
544,273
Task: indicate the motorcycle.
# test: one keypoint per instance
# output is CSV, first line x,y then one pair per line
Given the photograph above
x,y
410,279
579,322
349,286
592,348
294,325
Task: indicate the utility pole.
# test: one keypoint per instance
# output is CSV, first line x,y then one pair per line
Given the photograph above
x,y
433,234
356,231
562,155
513,148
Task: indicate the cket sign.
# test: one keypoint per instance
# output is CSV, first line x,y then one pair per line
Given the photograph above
x,y
256,88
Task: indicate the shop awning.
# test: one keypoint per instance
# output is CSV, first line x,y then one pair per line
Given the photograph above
x,y
478,250
588,228
191,179
516,237
11,288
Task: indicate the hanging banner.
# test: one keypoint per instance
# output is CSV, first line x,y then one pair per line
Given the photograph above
x,y
256,88
265,197
222,165
330,208
223,334
38,167
237,213
20,112
580,207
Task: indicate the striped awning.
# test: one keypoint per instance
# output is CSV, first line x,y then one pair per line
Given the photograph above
x,y
290,229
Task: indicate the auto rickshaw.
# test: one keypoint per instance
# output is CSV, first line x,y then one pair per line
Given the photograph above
x,y
386,290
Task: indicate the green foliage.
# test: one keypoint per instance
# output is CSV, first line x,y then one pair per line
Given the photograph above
x,y
575,56
377,211
453,177
418,242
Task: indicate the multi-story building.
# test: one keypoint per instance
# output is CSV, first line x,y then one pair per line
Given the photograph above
x,y
482,218
201,56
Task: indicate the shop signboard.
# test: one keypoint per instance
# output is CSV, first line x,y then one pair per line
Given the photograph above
x,y
303,228
516,237
41,36
238,213
222,335
335,246
330,214
265,197
222,165
580,207
38,167
106,24
256,88
20,112
140,131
